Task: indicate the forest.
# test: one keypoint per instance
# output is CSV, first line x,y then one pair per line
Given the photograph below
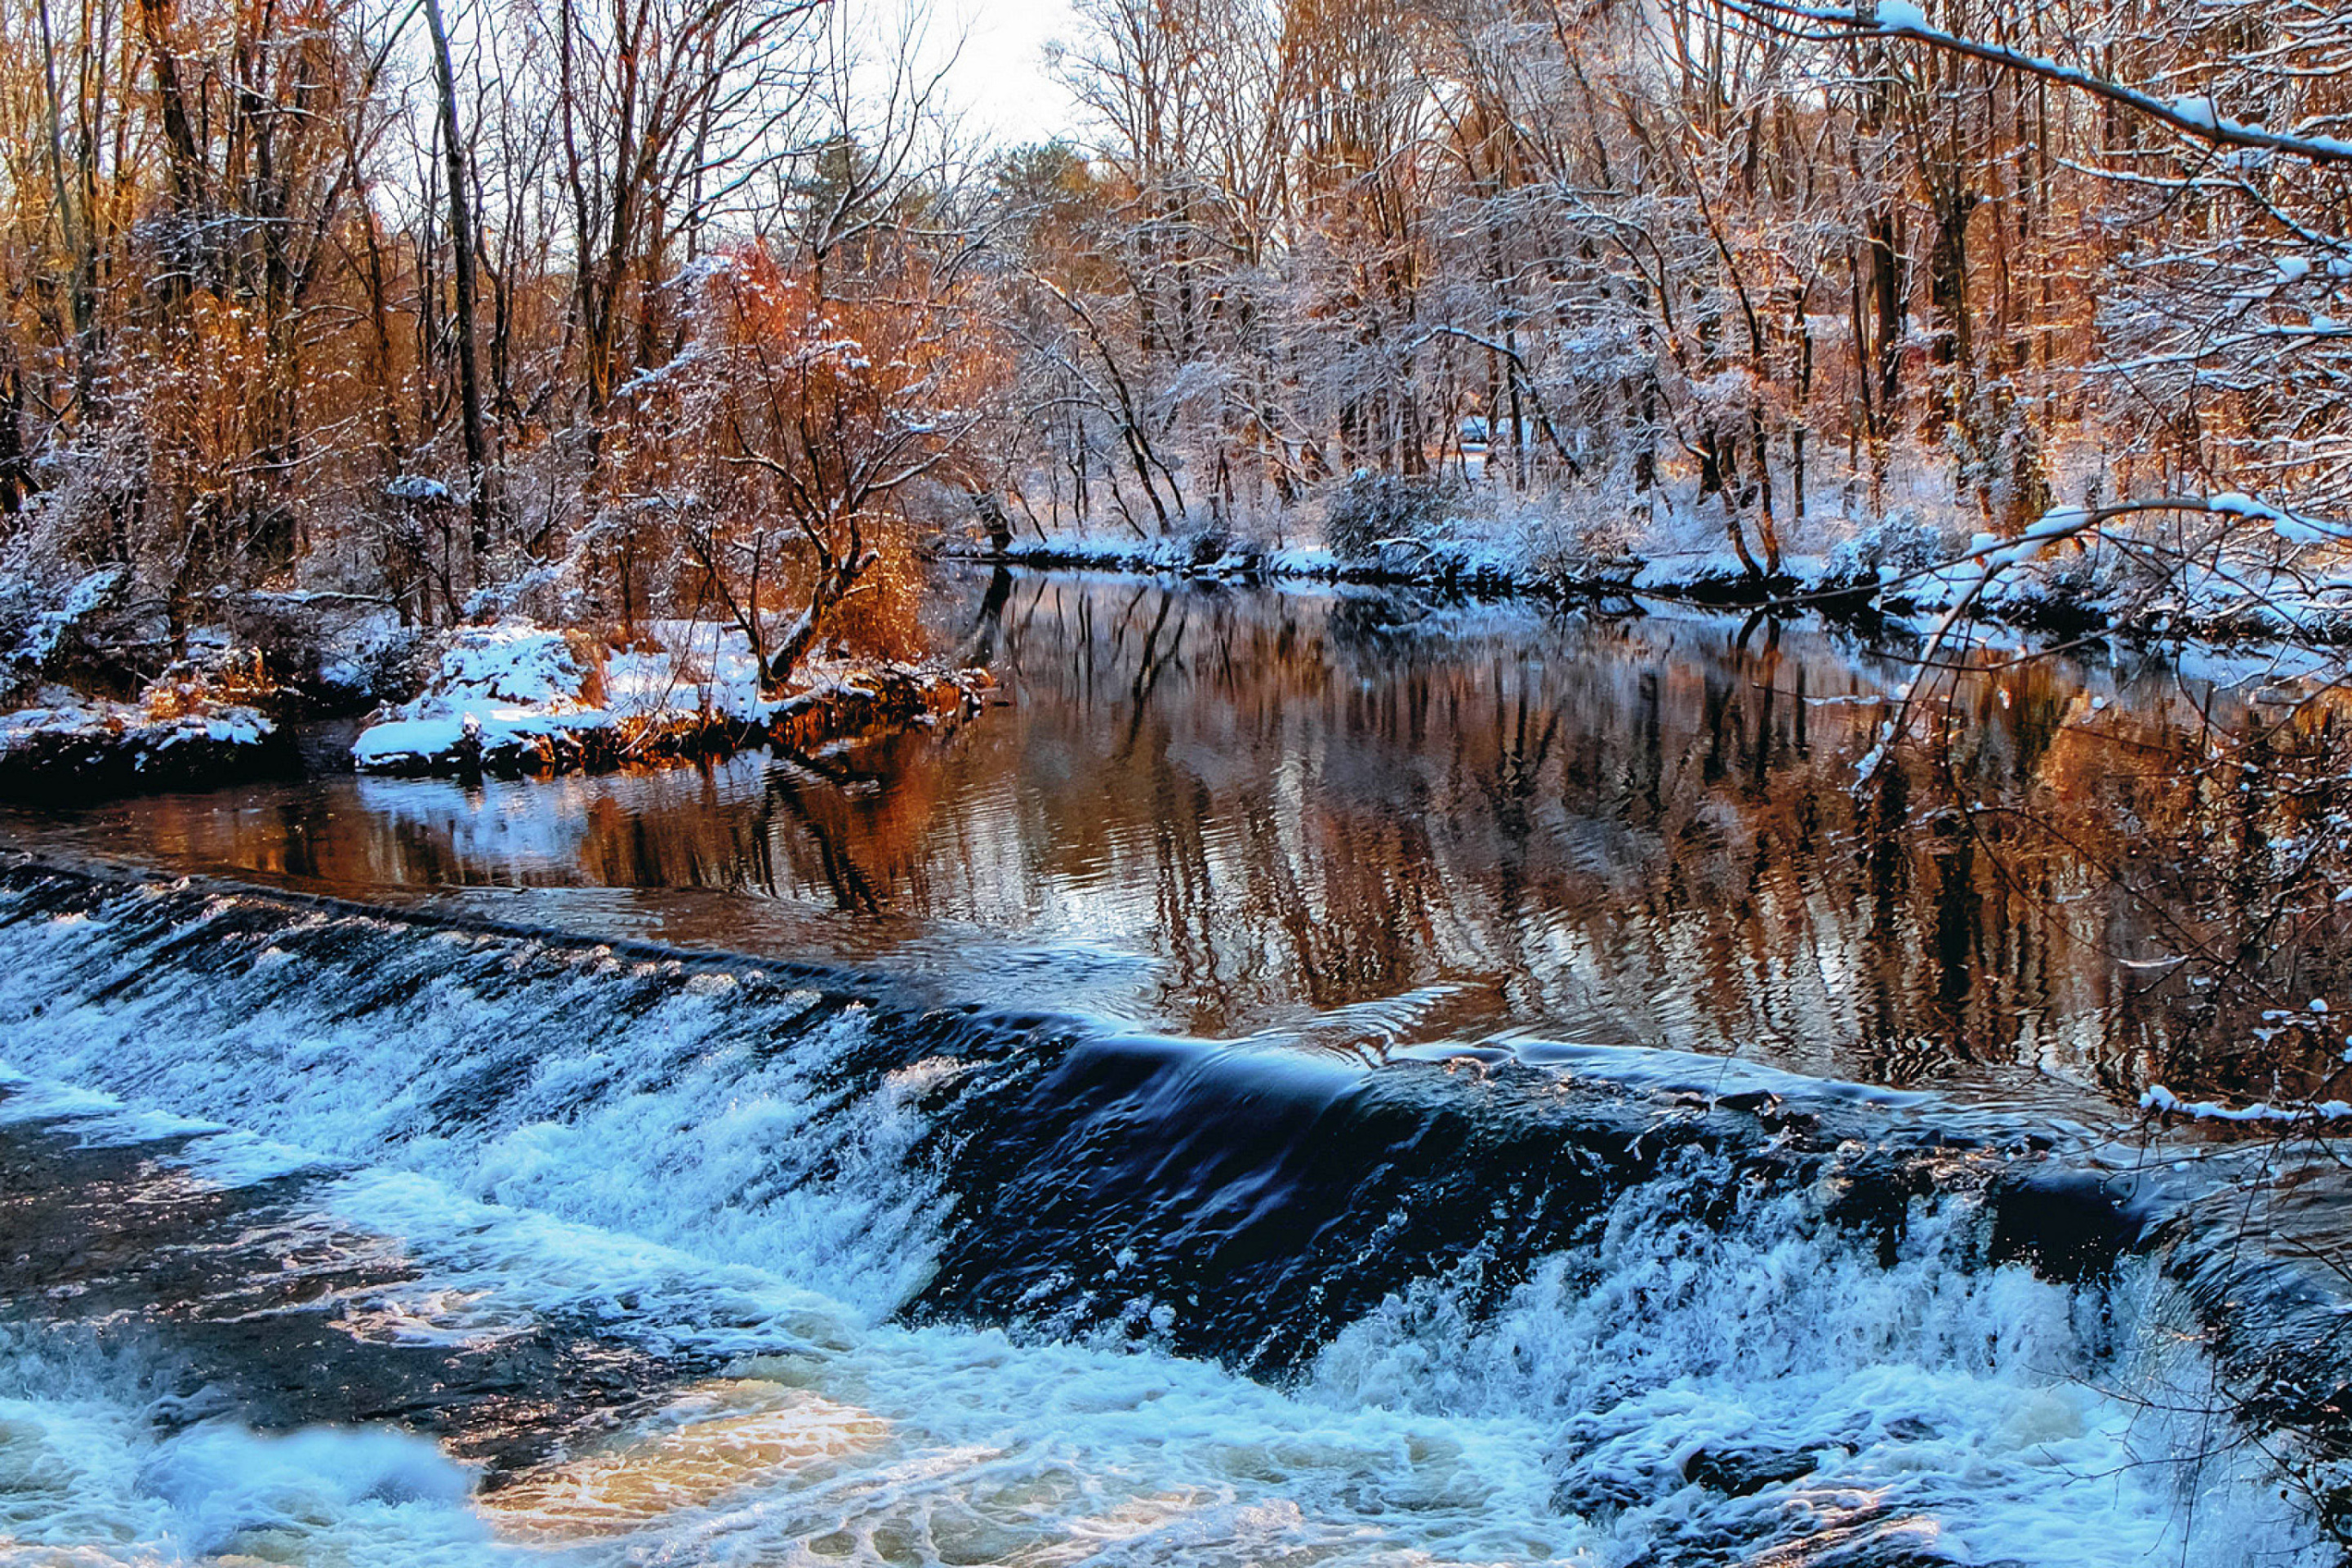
x,y
600,312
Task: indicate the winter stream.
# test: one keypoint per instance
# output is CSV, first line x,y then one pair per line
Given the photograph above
x,y
1311,1081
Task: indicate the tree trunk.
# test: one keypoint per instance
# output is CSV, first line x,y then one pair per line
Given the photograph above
x,y
831,586
461,238
1948,290
187,184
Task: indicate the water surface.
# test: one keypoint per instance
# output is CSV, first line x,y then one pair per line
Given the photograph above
x,y
1311,1079
343,1238
1381,821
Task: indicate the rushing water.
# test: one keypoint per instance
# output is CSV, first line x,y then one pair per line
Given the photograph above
x,y
1303,1083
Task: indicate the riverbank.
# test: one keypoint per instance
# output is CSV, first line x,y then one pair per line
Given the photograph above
x,y
2098,586
515,698
73,748
508,698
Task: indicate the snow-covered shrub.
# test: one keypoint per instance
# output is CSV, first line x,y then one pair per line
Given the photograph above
x,y
512,662
62,627
1579,536
510,682
1899,545
1371,510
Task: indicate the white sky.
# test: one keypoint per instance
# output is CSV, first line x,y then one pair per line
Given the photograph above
x,y
1000,77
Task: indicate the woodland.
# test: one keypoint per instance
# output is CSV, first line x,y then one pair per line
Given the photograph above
x,y
599,311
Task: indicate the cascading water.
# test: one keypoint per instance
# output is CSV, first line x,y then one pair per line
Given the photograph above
x,y
340,1236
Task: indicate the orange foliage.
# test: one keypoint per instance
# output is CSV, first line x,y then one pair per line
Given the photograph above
x,y
784,444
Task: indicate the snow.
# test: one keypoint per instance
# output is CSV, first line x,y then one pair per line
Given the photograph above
x,y
2301,530
2273,575
68,716
497,684
396,741
2160,1099
703,665
39,639
514,663
2196,110
514,696
1206,552
416,488
1869,765
516,684
2196,114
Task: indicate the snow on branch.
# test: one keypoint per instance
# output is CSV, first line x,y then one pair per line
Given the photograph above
x,y
1992,556
2193,116
2159,1098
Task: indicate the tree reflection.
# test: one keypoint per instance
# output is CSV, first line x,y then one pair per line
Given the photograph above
x,y
1429,820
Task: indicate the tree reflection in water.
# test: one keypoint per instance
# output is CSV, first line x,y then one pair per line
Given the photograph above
x,y
1386,822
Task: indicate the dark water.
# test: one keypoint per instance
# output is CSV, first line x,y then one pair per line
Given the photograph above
x,y
1381,824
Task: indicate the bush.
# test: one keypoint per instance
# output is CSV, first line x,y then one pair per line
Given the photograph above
x,y
1371,510
1895,545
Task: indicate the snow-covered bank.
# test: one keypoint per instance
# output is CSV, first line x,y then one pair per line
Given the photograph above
x,y
511,698
85,711
516,698
1831,583
2275,577
71,746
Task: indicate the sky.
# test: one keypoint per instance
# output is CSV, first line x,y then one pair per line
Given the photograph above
x,y
1000,77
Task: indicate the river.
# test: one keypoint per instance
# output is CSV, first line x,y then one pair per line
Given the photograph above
x,y
1311,1078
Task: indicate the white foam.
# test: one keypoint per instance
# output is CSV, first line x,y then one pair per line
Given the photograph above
x,y
85,1478
1979,1400
670,1170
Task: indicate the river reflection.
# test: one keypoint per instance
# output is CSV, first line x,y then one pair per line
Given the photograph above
x,y
1381,822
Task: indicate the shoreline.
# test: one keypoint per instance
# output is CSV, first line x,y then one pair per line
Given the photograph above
x,y
1788,593
108,758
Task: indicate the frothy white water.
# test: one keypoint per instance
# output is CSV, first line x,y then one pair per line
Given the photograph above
x,y
85,1478
681,1116
1979,1414
664,1171
827,1437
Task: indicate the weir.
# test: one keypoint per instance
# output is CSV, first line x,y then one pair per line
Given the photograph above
x,y
530,1200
